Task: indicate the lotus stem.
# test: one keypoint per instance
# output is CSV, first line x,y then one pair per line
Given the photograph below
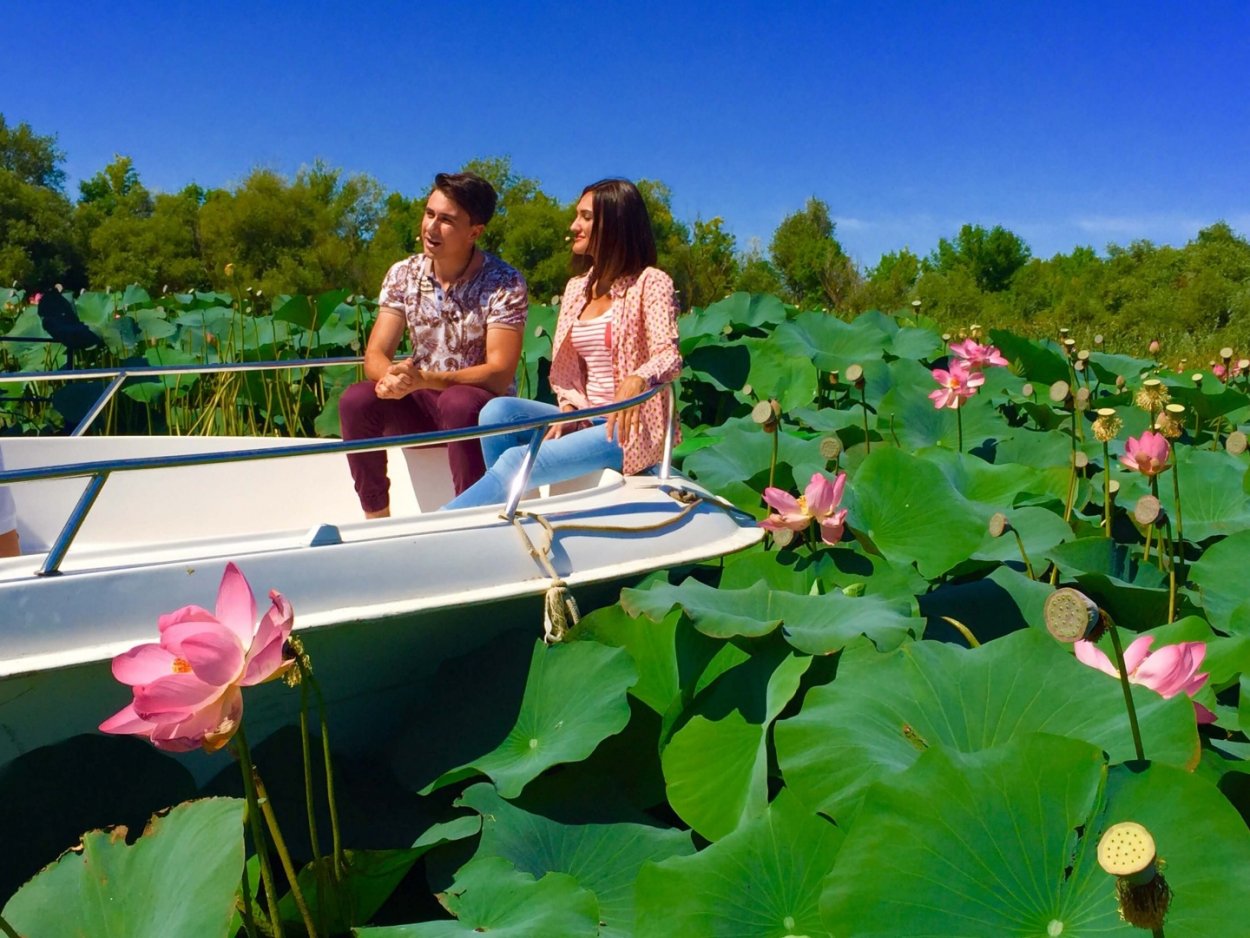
x,y
336,837
772,459
258,830
284,855
8,929
1128,692
306,748
964,631
1176,492
245,906
1150,530
959,427
1106,489
1028,567
863,401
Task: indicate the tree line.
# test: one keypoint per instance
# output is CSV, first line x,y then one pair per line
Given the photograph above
x,y
324,229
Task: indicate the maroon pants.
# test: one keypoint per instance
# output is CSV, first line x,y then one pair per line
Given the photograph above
x,y
362,414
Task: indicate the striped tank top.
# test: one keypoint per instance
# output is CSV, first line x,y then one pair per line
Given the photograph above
x,y
592,340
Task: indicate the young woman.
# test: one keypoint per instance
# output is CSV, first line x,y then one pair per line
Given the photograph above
x,y
615,338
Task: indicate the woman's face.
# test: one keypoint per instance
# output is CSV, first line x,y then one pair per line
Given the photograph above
x,y
583,222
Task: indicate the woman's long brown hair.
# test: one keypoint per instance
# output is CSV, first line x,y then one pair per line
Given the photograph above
x,y
621,240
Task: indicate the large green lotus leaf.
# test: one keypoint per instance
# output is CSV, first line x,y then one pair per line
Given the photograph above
x,y
761,881
1133,593
1002,843
724,365
652,643
996,485
1220,577
1037,448
814,624
885,709
1107,367
490,896
153,324
603,858
179,878
95,310
738,311
915,343
829,419
777,373
1213,496
1039,528
742,454
135,295
1209,400
830,344
575,697
1041,361
910,512
716,765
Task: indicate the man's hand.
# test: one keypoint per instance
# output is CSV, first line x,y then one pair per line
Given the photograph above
x,y
400,380
625,422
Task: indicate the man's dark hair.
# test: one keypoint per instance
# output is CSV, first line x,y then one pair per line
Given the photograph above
x,y
471,192
621,240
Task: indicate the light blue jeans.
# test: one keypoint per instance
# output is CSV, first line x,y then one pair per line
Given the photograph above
x,y
568,457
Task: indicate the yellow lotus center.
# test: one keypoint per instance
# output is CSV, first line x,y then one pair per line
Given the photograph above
x,y
803,505
181,666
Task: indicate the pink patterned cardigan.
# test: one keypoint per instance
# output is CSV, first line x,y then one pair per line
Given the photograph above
x,y
644,343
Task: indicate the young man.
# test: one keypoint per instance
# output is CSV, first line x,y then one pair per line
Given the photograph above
x,y
464,311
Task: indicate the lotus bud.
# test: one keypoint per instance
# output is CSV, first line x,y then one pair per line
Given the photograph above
x,y
229,270
1236,443
1127,852
1107,425
855,375
1152,396
1071,616
58,288
727,330
1120,382
1153,347
999,525
830,447
1059,392
556,300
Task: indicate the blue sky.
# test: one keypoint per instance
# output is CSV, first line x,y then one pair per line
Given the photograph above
x,y
1067,122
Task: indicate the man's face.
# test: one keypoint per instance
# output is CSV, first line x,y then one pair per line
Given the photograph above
x,y
446,230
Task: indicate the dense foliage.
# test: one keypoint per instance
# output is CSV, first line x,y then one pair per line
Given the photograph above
x,y
325,230
862,728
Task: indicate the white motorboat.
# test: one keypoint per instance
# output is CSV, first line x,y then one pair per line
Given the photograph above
x,y
378,604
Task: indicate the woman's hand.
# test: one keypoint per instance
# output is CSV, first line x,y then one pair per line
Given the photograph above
x,y
557,430
626,422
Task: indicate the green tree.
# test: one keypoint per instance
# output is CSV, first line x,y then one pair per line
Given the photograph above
x,y
991,257
756,274
709,264
815,271
891,284
37,244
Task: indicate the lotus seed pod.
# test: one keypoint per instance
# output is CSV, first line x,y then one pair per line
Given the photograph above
x,y
915,304
1059,392
1070,615
1064,330
1026,389
1226,353
747,390
1098,339
1147,510
1127,851
1196,377
1105,411
1082,397
830,447
762,413
1083,355
833,378
975,330
1236,443
229,269
1079,366
1175,409
1113,487
946,337
775,405
999,525
1243,364
1152,396
556,300
855,375
1080,459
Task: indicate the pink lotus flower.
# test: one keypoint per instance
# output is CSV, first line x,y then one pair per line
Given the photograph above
x,y
1219,371
819,503
957,385
34,299
187,687
976,356
1153,347
1147,454
1169,671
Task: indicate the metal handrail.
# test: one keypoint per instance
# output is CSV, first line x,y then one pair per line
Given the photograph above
x,y
123,373
100,470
